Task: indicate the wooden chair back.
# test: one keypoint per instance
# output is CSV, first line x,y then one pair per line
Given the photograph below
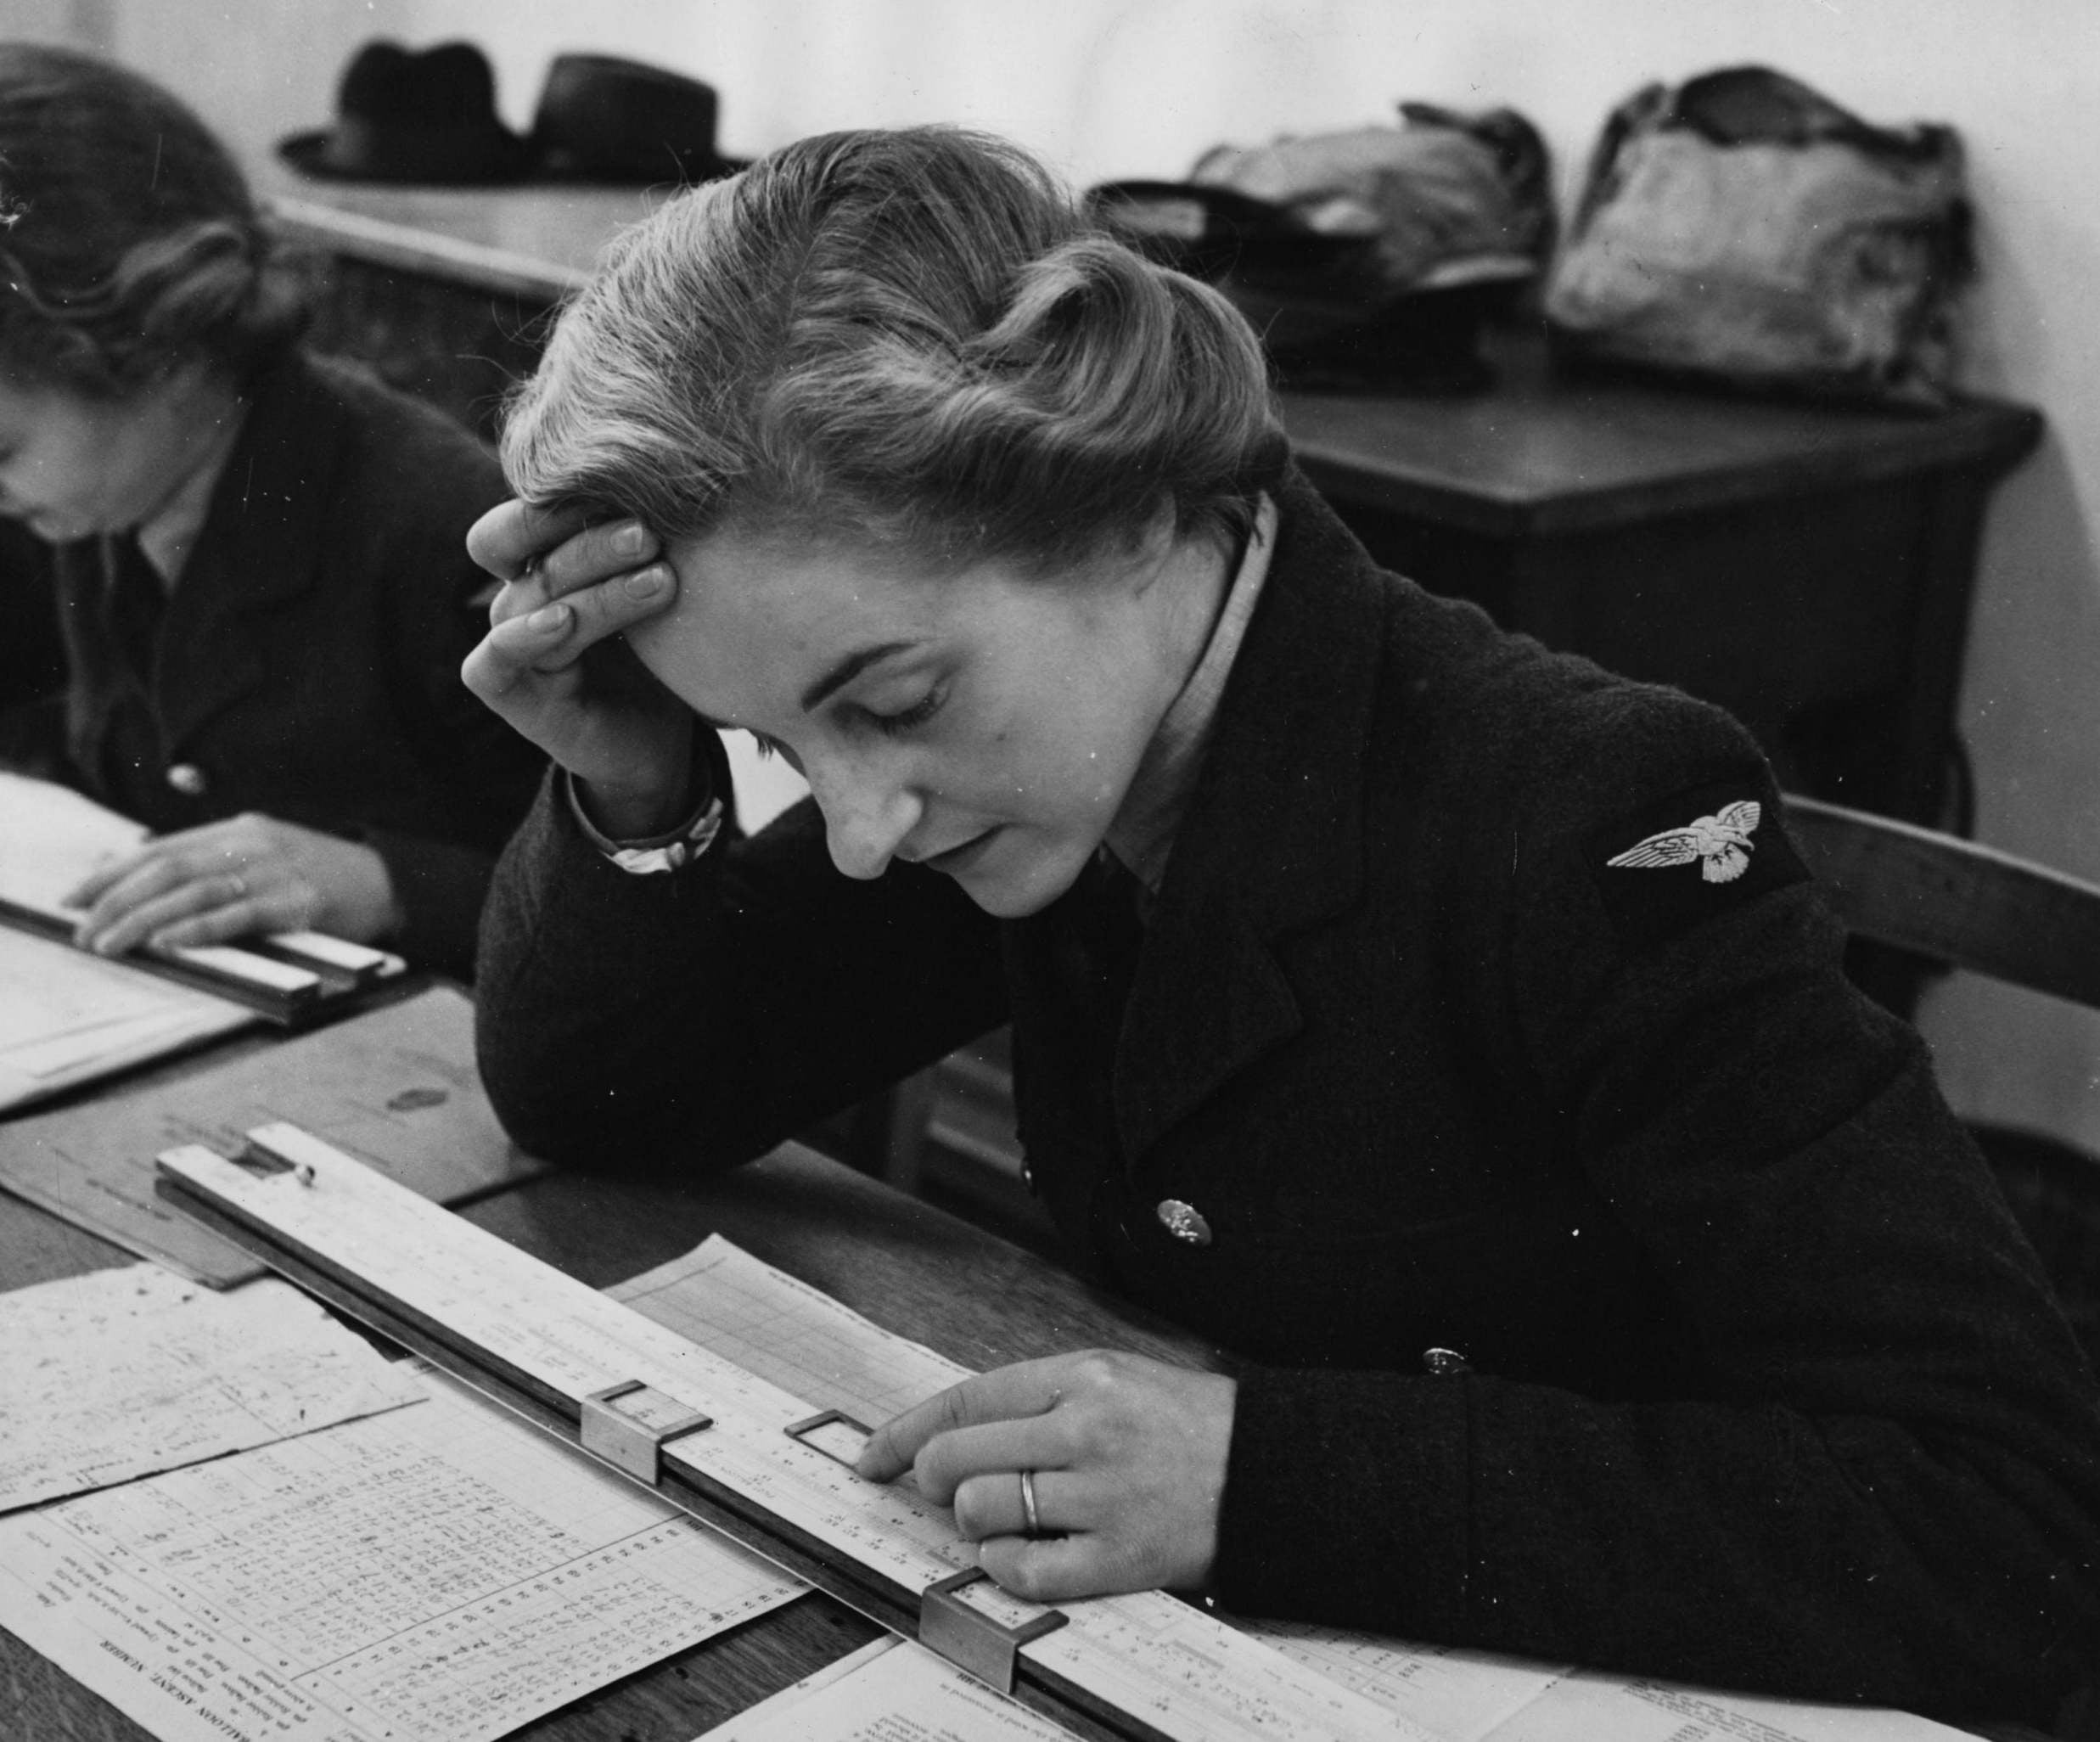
x,y
1973,907
1969,906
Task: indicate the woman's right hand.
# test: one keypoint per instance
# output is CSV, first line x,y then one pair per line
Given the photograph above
x,y
553,667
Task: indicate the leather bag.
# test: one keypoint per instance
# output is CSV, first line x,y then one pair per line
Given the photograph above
x,y
1744,227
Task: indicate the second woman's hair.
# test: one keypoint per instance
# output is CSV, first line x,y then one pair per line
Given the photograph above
x,y
912,338
129,242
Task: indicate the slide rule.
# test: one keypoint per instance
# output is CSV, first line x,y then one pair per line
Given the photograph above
x,y
740,1454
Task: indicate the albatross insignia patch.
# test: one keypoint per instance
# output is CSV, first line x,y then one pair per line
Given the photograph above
x,y
1688,858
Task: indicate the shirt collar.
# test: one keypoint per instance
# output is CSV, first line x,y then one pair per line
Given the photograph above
x,y
1141,834
167,536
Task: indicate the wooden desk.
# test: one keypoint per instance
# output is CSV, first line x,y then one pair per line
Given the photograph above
x,y
1810,570
913,1269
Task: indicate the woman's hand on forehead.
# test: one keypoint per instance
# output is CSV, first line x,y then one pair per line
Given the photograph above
x,y
553,667
556,549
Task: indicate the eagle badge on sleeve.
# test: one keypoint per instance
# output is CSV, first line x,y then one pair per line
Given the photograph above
x,y
1721,843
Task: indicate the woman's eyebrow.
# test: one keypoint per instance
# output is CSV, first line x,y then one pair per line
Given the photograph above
x,y
847,670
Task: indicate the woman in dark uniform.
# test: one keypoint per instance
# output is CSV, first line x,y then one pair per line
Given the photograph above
x,y
255,553
1443,1025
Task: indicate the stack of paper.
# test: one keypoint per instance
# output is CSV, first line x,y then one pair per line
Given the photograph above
x,y
55,838
437,1574
67,1017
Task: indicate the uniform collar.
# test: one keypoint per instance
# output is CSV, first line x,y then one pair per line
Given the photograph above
x,y
1269,841
167,536
1141,834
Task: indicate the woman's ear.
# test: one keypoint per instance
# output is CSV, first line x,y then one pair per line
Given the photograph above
x,y
1152,550
190,387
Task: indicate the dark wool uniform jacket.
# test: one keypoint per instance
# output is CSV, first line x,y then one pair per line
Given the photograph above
x,y
1764,1388
306,665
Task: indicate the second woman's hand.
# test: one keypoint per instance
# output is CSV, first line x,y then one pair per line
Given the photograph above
x,y
1125,1458
553,667
232,879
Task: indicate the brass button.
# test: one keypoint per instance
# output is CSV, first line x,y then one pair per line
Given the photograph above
x,y
1444,1363
1184,1221
188,779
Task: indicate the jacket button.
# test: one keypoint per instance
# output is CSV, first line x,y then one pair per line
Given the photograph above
x,y
1184,1221
1444,1363
188,779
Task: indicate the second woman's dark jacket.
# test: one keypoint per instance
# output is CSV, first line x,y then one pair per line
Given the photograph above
x,y
1761,1385
307,664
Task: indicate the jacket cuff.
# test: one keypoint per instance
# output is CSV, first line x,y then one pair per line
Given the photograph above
x,y
652,853
1345,1500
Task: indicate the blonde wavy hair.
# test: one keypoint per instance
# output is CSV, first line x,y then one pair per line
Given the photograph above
x,y
910,337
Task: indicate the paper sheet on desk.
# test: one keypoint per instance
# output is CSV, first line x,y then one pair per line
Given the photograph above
x,y
121,1372
67,1017
54,839
396,1087
806,1342
889,1690
440,1573
790,1335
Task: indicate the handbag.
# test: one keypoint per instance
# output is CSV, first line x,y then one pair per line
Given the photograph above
x,y
1745,229
1367,260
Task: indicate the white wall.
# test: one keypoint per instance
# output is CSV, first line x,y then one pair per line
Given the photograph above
x,y
1138,87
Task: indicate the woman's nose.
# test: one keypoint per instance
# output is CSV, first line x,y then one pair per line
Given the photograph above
x,y
865,819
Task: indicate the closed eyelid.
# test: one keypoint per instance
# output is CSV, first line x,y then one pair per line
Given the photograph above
x,y
847,670
914,714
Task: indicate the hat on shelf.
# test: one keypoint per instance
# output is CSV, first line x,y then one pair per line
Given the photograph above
x,y
422,116
601,118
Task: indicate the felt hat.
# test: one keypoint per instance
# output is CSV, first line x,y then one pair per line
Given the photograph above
x,y
601,118
422,116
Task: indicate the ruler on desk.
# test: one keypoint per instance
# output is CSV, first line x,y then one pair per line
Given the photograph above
x,y
740,1454
291,978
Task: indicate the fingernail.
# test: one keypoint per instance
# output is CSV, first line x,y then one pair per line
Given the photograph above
x,y
551,616
629,541
644,583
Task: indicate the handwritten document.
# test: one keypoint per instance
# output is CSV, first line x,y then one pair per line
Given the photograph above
x,y
120,1372
888,1691
805,1341
396,1087
437,1574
